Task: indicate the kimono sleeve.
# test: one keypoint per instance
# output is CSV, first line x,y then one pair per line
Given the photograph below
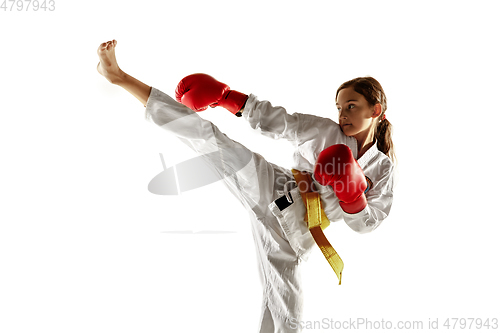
x,y
379,199
271,121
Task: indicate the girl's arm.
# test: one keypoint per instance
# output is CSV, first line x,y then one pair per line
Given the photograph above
x,y
364,196
272,121
199,91
379,202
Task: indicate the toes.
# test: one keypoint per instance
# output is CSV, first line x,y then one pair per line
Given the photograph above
x,y
110,44
103,46
107,45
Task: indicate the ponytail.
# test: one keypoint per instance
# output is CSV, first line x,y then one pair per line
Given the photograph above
x,y
383,134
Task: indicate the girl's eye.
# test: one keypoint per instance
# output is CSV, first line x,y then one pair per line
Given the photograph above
x,y
348,107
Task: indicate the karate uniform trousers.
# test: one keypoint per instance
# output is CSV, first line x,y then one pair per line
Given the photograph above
x,y
281,237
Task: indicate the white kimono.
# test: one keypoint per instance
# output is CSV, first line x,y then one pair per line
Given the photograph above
x,y
281,236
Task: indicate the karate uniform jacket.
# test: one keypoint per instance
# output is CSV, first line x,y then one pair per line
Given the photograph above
x,y
310,135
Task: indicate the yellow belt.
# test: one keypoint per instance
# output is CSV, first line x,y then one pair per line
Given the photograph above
x,y
317,221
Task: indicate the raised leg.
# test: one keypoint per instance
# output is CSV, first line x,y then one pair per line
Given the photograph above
x,y
108,67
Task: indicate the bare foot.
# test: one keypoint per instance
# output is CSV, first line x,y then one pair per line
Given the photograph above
x,y
107,66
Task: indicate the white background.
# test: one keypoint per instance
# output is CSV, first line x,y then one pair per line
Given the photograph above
x,y
84,247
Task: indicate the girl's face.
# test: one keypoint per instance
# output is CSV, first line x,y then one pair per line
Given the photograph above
x,y
356,116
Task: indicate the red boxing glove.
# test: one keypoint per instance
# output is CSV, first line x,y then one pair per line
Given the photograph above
x,y
198,91
337,167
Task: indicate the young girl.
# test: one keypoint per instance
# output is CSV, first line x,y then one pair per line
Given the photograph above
x,y
350,164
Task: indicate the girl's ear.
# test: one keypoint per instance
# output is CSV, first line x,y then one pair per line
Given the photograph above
x,y
377,110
